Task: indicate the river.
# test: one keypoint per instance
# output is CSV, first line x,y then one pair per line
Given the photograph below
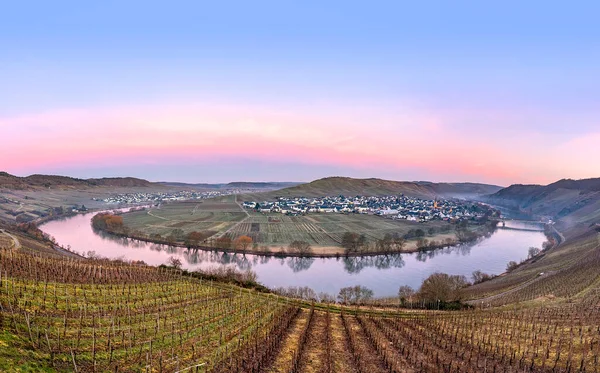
x,y
383,274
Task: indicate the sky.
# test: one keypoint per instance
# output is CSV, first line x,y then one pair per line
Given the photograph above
x,y
498,92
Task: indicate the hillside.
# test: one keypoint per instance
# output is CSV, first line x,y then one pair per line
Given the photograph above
x,y
249,185
572,202
126,182
32,182
331,186
461,189
72,314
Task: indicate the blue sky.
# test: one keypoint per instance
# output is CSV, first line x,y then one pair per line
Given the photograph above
x,y
433,72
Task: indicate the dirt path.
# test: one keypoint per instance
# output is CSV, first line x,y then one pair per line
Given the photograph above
x,y
230,229
16,243
158,217
289,345
313,359
370,360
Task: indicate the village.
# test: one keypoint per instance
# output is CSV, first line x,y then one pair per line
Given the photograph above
x,y
158,197
392,207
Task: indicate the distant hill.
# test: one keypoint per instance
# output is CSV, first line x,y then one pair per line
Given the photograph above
x,y
121,182
233,185
9,181
461,189
331,186
571,201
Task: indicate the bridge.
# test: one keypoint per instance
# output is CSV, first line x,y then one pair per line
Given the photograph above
x,y
521,225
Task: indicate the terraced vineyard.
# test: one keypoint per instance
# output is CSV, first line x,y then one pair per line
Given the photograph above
x,y
569,271
109,316
126,318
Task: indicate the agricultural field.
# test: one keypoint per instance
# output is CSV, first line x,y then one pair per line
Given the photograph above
x,y
208,216
224,217
64,315
321,229
35,203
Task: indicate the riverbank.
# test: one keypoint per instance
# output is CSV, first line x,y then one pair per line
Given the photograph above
x,y
435,242
382,273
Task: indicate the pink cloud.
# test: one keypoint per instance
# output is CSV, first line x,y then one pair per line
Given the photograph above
x,y
362,137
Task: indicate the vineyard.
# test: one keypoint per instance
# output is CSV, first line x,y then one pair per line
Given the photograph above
x,y
85,316
209,217
569,271
218,217
321,230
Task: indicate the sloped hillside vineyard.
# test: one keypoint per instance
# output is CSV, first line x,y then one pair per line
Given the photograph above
x,y
96,317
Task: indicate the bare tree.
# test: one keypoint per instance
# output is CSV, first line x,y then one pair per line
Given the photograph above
x,y
300,247
442,287
405,293
352,241
355,295
533,251
479,277
511,265
174,262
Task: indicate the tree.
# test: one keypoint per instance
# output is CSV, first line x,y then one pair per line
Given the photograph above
x,y
479,277
463,234
422,243
405,293
533,251
442,287
390,242
194,238
362,294
223,242
399,242
550,243
511,265
171,239
174,262
108,221
345,295
178,234
352,241
385,244
300,247
243,243
326,298
355,295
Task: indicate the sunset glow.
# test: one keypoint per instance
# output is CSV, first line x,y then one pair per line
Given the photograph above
x,y
205,109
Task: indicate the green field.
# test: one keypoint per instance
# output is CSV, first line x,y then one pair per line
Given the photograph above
x,y
224,216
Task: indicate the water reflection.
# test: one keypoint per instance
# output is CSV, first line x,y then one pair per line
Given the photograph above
x,y
357,264
383,273
352,265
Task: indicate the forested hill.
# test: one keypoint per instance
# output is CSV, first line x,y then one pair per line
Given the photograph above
x,y
570,201
331,186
